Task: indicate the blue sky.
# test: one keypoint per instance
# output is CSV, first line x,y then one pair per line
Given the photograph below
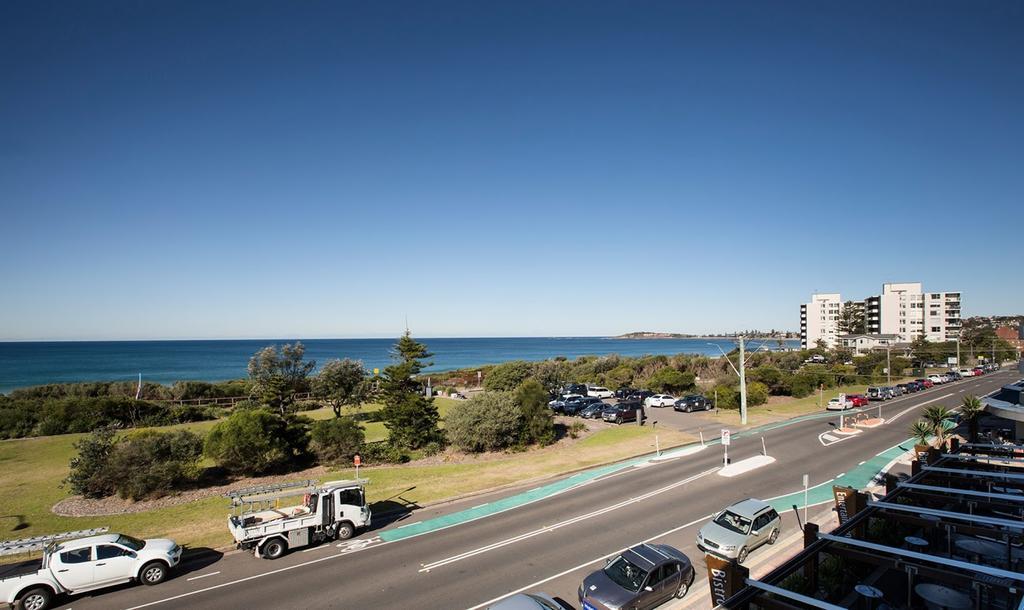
x,y
325,169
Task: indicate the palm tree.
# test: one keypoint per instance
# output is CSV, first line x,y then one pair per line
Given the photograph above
x,y
971,410
937,416
921,430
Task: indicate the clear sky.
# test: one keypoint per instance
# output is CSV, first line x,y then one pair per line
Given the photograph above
x,y
325,169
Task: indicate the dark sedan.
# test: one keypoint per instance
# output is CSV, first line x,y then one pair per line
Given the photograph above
x,y
644,576
574,407
694,402
592,411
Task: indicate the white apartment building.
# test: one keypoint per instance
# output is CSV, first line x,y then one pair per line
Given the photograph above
x,y
819,320
903,310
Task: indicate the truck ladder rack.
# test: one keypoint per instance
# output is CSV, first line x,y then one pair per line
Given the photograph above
x,y
266,493
38,543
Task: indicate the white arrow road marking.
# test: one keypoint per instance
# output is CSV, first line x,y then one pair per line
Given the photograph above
x,y
426,567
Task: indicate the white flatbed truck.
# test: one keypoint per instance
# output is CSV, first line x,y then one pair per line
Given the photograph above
x,y
333,511
80,561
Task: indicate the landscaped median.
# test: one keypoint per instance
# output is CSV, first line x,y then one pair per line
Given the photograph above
x,y
33,469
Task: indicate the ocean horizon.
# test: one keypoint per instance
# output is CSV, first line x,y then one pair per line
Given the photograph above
x,y
30,363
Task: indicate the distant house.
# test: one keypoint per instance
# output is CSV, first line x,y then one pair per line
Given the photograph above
x,y
865,344
1014,335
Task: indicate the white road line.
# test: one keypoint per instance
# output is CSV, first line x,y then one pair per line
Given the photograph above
x,y
840,474
410,524
591,562
862,463
480,505
202,576
426,567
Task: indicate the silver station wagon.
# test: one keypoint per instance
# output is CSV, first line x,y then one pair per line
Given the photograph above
x,y
739,529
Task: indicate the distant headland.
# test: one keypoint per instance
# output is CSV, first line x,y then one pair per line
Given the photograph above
x,y
644,334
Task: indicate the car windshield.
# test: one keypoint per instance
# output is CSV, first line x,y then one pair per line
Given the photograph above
x,y
732,521
625,574
133,543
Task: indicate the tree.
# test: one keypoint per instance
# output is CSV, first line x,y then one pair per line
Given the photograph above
x,y
276,375
410,417
507,376
851,319
671,380
619,377
921,430
490,421
336,441
971,409
538,425
342,383
940,418
88,476
757,393
256,441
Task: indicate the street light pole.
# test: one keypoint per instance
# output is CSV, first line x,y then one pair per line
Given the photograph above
x,y
743,384
888,368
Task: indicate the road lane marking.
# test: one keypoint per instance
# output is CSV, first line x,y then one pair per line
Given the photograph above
x,y
413,523
203,576
426,567
480,505
591,562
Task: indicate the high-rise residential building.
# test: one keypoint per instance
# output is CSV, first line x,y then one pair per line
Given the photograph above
x,y
819,320
903,310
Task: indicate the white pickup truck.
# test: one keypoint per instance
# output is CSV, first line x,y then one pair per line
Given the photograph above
x,y
331,511
85,564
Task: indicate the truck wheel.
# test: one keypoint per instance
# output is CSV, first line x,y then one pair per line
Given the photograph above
x,y
345,531
38,598
153,573
273,548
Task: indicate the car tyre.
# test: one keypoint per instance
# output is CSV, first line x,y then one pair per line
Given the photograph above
x,y
274,549
618,420
684,588
689,408
345,531
773,536
153,573
38,598
742,556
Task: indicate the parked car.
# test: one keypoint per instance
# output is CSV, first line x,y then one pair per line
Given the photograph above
x,y
623,393
904,388
739,529
937,379
897,390
86,564
527,601
835,404
640,395
967,372
927,383
979,370
592,411
573,407
660,400
858,400
876,393
558,405
955,375
596,391
693,402
642,577
622,412
575,388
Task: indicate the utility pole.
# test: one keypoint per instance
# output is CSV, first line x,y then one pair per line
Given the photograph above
x,y
958,352
743,384
888,368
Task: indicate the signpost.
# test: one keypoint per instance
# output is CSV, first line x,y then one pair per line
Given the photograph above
x,y
806,480
357,461
725,443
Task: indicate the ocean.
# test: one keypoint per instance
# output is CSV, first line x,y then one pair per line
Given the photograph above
x,y
34,363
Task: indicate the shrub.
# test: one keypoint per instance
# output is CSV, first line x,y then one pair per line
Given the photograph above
x,y
576,429
149,464
507,376
670,380
490,421
757,393
89,475
336,441
538,423
256,441
383,452
728,396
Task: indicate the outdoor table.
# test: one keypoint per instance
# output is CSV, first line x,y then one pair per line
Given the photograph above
x,y
943,597
869,593
916,543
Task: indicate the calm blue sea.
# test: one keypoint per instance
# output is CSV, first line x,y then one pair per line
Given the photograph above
x,y
35,363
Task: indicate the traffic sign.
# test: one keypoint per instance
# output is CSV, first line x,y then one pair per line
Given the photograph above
x,y
725,437
358,460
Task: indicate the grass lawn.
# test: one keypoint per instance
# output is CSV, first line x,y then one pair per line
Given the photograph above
x,y
31,471
791,407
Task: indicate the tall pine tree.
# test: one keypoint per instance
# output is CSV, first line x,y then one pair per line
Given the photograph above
x,y
410,417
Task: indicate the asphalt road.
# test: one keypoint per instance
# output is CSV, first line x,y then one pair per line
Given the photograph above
x,y
547,545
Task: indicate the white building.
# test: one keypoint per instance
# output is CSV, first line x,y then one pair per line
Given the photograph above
x,y
903,310
819,320
865,344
